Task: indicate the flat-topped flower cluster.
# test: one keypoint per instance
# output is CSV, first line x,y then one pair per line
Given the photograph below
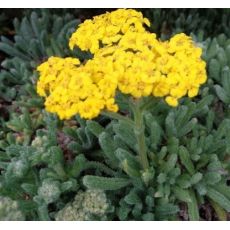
x,y
126,58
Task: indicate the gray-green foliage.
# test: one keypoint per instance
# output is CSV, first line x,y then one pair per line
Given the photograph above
x,y
9,210
88,205
187,147
22,174
45,162
38,36
208,22
36,173
183,170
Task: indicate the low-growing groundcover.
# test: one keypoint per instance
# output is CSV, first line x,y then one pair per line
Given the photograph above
x,y
130,159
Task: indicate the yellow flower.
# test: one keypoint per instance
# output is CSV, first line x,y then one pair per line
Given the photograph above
x,y
111,106
126,58
193,92
90,108
107,29
179,42
172,101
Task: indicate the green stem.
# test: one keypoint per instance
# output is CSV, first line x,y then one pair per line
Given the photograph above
x,y
139,130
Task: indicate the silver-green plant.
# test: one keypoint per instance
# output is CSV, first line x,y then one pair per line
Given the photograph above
x,y
187,148
9,210
86,206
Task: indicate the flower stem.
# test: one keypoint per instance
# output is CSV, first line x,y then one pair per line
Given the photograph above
x,y
139,130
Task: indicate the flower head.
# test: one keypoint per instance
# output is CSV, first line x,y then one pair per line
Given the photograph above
x,y
127,58
107,29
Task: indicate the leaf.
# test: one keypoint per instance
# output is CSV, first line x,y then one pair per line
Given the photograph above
x,y
166,209
34,24
148,216
132,198
21,44
225,79
29,188
108,147
123,212
210,120
71,132
212,49
201,188
154,129
173,145
227,51
27,205
170,125
162,153
25,29
220,212
58,23
43,212
132,172
56,155
187,128
184,180
95,127
126,133
6,40
105,183
222,94
35,49
222,58
212,177
77,166
221,39
185,159
101,167
75,147
12,51
193,210
137,211
224,189
63,32
149,201
120,144
214,69
196,178
161,178
207,100
182,116
122,155
182,194
219,198
70,185
170,163
56,49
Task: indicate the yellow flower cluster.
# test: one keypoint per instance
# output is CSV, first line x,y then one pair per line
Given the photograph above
x,y
107,29
72,89
126,58
53,72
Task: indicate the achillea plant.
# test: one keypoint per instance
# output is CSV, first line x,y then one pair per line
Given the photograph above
x,y
146,160
126,59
